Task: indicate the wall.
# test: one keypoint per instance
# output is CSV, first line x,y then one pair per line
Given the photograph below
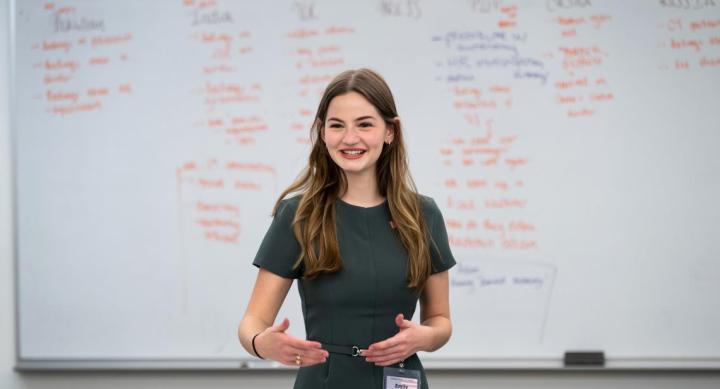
x,y
180,380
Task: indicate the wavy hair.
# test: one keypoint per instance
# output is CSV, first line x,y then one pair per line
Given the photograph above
x,y
322,181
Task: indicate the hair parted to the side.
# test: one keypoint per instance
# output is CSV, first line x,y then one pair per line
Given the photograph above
x,y
322,182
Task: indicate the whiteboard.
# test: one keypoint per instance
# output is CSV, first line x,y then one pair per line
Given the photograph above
x,y
571,146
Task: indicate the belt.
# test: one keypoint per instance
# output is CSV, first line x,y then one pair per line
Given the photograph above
x,y
353,351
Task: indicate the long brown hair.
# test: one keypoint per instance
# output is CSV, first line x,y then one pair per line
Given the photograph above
x,y
322,182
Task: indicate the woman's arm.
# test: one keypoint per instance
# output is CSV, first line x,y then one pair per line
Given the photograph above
x,y
272,343
435,310
433,332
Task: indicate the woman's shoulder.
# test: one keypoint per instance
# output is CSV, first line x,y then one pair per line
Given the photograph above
x,y
429,206
288,205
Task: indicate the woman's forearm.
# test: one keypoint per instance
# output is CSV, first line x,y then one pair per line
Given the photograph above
x,y
441,330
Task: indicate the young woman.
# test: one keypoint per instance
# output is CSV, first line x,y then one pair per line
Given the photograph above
x,y
364,247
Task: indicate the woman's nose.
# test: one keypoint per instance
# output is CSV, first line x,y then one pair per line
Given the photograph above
x,y
350,136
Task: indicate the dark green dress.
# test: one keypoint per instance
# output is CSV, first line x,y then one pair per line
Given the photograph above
x,y
358,304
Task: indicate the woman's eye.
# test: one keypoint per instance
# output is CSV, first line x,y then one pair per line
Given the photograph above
x,y
335,126
365,124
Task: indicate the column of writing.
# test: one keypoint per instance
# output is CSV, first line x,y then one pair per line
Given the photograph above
x,y
582,89
231,103
212,190
691,36
484,172
316,55
75,61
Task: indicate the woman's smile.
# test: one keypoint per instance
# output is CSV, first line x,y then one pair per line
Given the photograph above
x,y
352,153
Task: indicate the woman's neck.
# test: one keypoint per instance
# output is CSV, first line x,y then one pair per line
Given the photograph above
x,y
362,190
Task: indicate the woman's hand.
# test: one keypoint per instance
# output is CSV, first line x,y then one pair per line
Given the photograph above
x,y
411,339
275,344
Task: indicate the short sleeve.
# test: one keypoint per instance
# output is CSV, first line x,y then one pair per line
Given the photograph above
x,y
280,249
440,255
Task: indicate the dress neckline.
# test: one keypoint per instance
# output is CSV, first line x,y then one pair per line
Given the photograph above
x,y
343,202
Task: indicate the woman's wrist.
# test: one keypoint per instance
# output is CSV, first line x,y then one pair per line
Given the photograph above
x,y
439,333
254,345
428,338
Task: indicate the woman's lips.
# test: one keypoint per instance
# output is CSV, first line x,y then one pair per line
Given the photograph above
x,y
352,153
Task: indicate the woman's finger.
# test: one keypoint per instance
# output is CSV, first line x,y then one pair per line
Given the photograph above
x,y
380,352
310,352
304,360
305,344
385,344
281,327
390,360
312,361
396,352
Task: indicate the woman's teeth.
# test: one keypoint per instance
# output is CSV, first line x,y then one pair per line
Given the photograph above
x,y
352,152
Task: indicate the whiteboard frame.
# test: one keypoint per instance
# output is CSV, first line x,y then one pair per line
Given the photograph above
x,y
498,364
648,363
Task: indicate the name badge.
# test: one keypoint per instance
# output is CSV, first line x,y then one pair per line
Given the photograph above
x,y
401,378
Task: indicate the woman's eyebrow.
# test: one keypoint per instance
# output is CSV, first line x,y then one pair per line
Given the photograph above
x,y
358,119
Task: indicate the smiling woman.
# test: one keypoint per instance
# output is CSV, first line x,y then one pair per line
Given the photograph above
x,y
355,132
364,246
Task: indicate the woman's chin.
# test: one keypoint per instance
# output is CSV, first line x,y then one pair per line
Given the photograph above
x,y
354,169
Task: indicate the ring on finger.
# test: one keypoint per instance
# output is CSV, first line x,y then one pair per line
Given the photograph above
x,y
298,359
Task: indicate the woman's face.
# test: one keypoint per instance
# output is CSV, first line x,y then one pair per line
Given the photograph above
x,y
354,133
